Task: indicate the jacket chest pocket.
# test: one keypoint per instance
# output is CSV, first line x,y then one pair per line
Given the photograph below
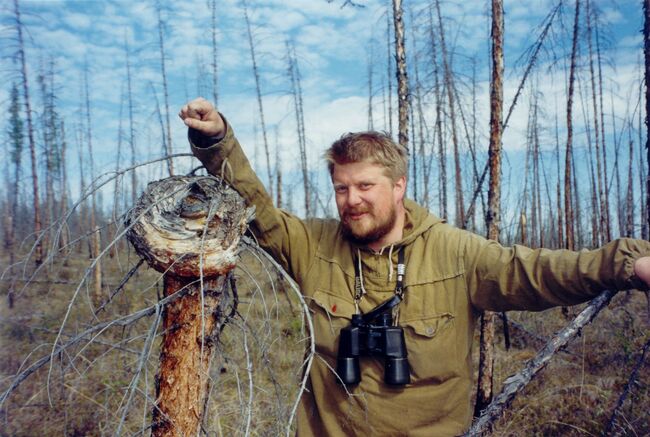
x,y
330,314
433,318
432,347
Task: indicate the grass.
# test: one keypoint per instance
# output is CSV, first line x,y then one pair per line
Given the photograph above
x,y
254,387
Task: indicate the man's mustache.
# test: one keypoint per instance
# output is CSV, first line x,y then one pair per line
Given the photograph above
x,y
355,211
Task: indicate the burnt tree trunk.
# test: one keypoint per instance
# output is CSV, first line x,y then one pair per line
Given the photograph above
x,y
38,250
646,52
402,80
486,360
568,207
188,228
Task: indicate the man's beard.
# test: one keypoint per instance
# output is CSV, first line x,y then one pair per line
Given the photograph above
x,y
379,226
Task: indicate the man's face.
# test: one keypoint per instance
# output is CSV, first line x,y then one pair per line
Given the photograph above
x,y
366,200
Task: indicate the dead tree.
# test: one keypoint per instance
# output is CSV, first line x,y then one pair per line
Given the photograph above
x,y
486,363
258,91
389,74
38,249
646,52
163,72
402,79
95,241
296,92
187,228
129,93
568,207
601,173
215,70
442,152
448,81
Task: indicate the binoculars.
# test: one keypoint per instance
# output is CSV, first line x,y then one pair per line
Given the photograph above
x,y
372,334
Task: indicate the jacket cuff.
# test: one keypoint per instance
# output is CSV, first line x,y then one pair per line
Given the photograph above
x,y
637,251
206,148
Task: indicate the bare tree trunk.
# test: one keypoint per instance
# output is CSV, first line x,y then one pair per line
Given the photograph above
x,y
96,237
370,90
258,91
129,93
215,70
604,233
493,219
83,207
442,152
629,198
190,323
38,249
402,79
608,229
646,52
278,170
389,73
163,71
460,204
296,91
568,196
560,215
64,239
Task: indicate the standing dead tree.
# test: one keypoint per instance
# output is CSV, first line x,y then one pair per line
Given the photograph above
x,y
568,207
448,84
646,52
402,79
486,364
167,134
258,91
38,249
192,237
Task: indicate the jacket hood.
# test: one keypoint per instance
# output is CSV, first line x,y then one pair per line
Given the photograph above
x,y
417,221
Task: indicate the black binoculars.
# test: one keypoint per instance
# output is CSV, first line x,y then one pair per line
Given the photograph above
x,y
372,334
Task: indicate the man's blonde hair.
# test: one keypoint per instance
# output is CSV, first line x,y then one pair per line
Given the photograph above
x,y
374,147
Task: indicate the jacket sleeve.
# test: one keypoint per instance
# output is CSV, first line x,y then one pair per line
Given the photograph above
x,y
519,278
288,239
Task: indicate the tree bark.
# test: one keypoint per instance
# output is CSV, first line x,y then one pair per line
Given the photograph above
x,y
486,359
258,92
38,249
460,203
163,72
646,53
442,152
188,229
568,196
402,79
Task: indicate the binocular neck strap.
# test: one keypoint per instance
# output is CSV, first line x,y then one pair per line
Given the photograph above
x,y
359,289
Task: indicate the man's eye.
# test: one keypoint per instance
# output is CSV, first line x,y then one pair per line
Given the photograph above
x,y
365,186
340,190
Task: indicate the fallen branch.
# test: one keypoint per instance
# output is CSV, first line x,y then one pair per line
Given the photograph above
x,y
514,384
628,387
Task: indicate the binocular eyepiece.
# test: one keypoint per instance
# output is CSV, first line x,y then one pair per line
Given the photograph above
x,y
372,334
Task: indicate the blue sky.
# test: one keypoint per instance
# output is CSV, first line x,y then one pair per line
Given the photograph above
x,y
332,45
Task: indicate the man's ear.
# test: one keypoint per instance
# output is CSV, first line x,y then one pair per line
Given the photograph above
x,y
399,188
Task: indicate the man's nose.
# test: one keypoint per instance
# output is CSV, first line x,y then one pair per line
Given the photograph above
x,y
354,197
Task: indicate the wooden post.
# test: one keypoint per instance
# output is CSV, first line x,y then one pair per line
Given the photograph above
x,y
188,228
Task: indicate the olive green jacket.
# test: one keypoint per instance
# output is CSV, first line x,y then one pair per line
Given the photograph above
x,y
451,276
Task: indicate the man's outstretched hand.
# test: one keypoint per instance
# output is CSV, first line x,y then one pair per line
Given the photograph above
x,y
642,269
199,114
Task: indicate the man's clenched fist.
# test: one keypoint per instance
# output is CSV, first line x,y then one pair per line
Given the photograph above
x,y
199,114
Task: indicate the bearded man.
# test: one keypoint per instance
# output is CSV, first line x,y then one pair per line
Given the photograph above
x,y
386,249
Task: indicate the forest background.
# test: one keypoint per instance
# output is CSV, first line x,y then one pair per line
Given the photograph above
x,y
89,96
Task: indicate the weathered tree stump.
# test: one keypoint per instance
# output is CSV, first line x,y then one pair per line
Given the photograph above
x,y
187,228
